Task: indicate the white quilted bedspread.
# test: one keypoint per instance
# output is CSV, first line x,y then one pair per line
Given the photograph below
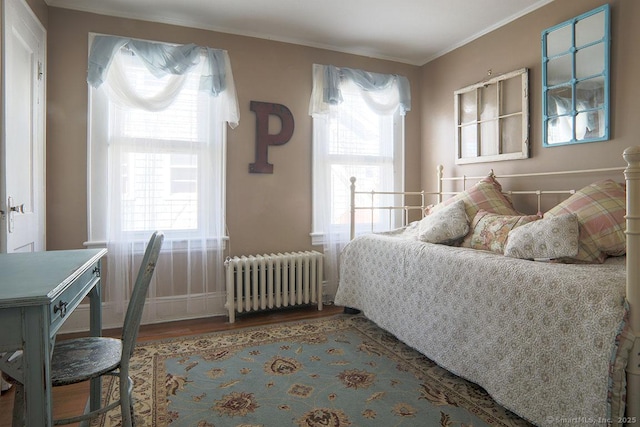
x,y
537,336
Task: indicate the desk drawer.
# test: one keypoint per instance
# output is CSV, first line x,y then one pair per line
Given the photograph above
x,y
65,303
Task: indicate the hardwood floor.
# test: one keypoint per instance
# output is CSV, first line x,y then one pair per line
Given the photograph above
x,y
70,400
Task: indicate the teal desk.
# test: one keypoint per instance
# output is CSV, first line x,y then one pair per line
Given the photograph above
x,y
38,291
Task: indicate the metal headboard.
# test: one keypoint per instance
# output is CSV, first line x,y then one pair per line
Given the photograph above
x,y
439,193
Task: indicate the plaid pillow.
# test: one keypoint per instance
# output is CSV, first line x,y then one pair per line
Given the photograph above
x,y
486,194
600,208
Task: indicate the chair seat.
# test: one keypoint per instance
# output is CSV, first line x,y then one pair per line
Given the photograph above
x,y
81,359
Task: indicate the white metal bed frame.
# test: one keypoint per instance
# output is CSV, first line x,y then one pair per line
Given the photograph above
x,y
632,177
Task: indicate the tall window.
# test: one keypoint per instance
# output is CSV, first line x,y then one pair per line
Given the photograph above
x,y
362,144
358,131
157,162
166,158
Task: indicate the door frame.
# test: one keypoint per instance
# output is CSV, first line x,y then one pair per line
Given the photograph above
x,y
24,11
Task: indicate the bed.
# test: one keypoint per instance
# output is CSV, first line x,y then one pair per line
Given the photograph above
x,y
541,310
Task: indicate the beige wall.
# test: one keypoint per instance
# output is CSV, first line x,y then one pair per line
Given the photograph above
x,y
273,212
265,212
515,46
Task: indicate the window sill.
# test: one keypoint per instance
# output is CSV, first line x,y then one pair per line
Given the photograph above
x,y
93,244
317,238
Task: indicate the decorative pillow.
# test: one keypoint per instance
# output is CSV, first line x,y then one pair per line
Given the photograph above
x,y
446,226
485,194
600,208
548,238
489,231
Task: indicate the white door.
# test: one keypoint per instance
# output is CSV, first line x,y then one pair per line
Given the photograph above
x,y
22,178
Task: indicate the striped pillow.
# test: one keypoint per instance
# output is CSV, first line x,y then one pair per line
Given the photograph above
x,y
600,208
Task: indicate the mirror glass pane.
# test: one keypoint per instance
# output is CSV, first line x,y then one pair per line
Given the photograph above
x,y
590,94
590,61
582,126
559,70
559,41
588,125
560,130
469,141
468,106
590,29
559,101
488,96
598,120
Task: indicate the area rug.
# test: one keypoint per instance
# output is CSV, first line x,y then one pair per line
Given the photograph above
x,y
333,372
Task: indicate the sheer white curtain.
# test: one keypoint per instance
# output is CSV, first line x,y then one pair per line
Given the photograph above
x,y
358,130
157,154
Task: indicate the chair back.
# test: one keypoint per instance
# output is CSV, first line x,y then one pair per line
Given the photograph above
x,y
136,303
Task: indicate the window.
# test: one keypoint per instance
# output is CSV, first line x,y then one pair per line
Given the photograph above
x,y
165,168
157,135
492,119
361,136
160,156
360,144
358,131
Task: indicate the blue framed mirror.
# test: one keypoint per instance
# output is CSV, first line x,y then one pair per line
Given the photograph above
x,y
575,80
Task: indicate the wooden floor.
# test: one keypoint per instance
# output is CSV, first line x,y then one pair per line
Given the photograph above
x,y
70,400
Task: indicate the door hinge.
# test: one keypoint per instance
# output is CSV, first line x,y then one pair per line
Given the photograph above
x,y
40,72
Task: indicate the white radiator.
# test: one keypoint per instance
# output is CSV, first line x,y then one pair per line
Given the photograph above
x,y
260,282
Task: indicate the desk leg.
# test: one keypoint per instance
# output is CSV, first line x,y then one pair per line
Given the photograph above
x,y
37,367
95,313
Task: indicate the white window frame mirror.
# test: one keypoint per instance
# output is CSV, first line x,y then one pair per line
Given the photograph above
x,y
492,119
575,79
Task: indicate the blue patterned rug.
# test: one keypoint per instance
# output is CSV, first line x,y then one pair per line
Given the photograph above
x,y
336,371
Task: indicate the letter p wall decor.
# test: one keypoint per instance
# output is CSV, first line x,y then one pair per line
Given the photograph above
x,y
263,138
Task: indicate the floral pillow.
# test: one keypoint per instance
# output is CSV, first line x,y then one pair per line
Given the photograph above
x,y
549,238
447,226
486,194
489,231
601,209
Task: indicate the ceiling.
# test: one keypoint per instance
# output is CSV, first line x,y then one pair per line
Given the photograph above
x,y
408,31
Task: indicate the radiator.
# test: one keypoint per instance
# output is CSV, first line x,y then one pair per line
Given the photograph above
x,y
261,282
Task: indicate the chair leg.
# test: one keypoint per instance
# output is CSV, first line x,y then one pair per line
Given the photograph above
x,y
18,405
126,403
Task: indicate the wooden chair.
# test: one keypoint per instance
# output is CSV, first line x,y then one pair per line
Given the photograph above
x,y
82,359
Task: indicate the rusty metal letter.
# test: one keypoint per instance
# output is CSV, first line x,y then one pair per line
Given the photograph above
x,y
263,138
